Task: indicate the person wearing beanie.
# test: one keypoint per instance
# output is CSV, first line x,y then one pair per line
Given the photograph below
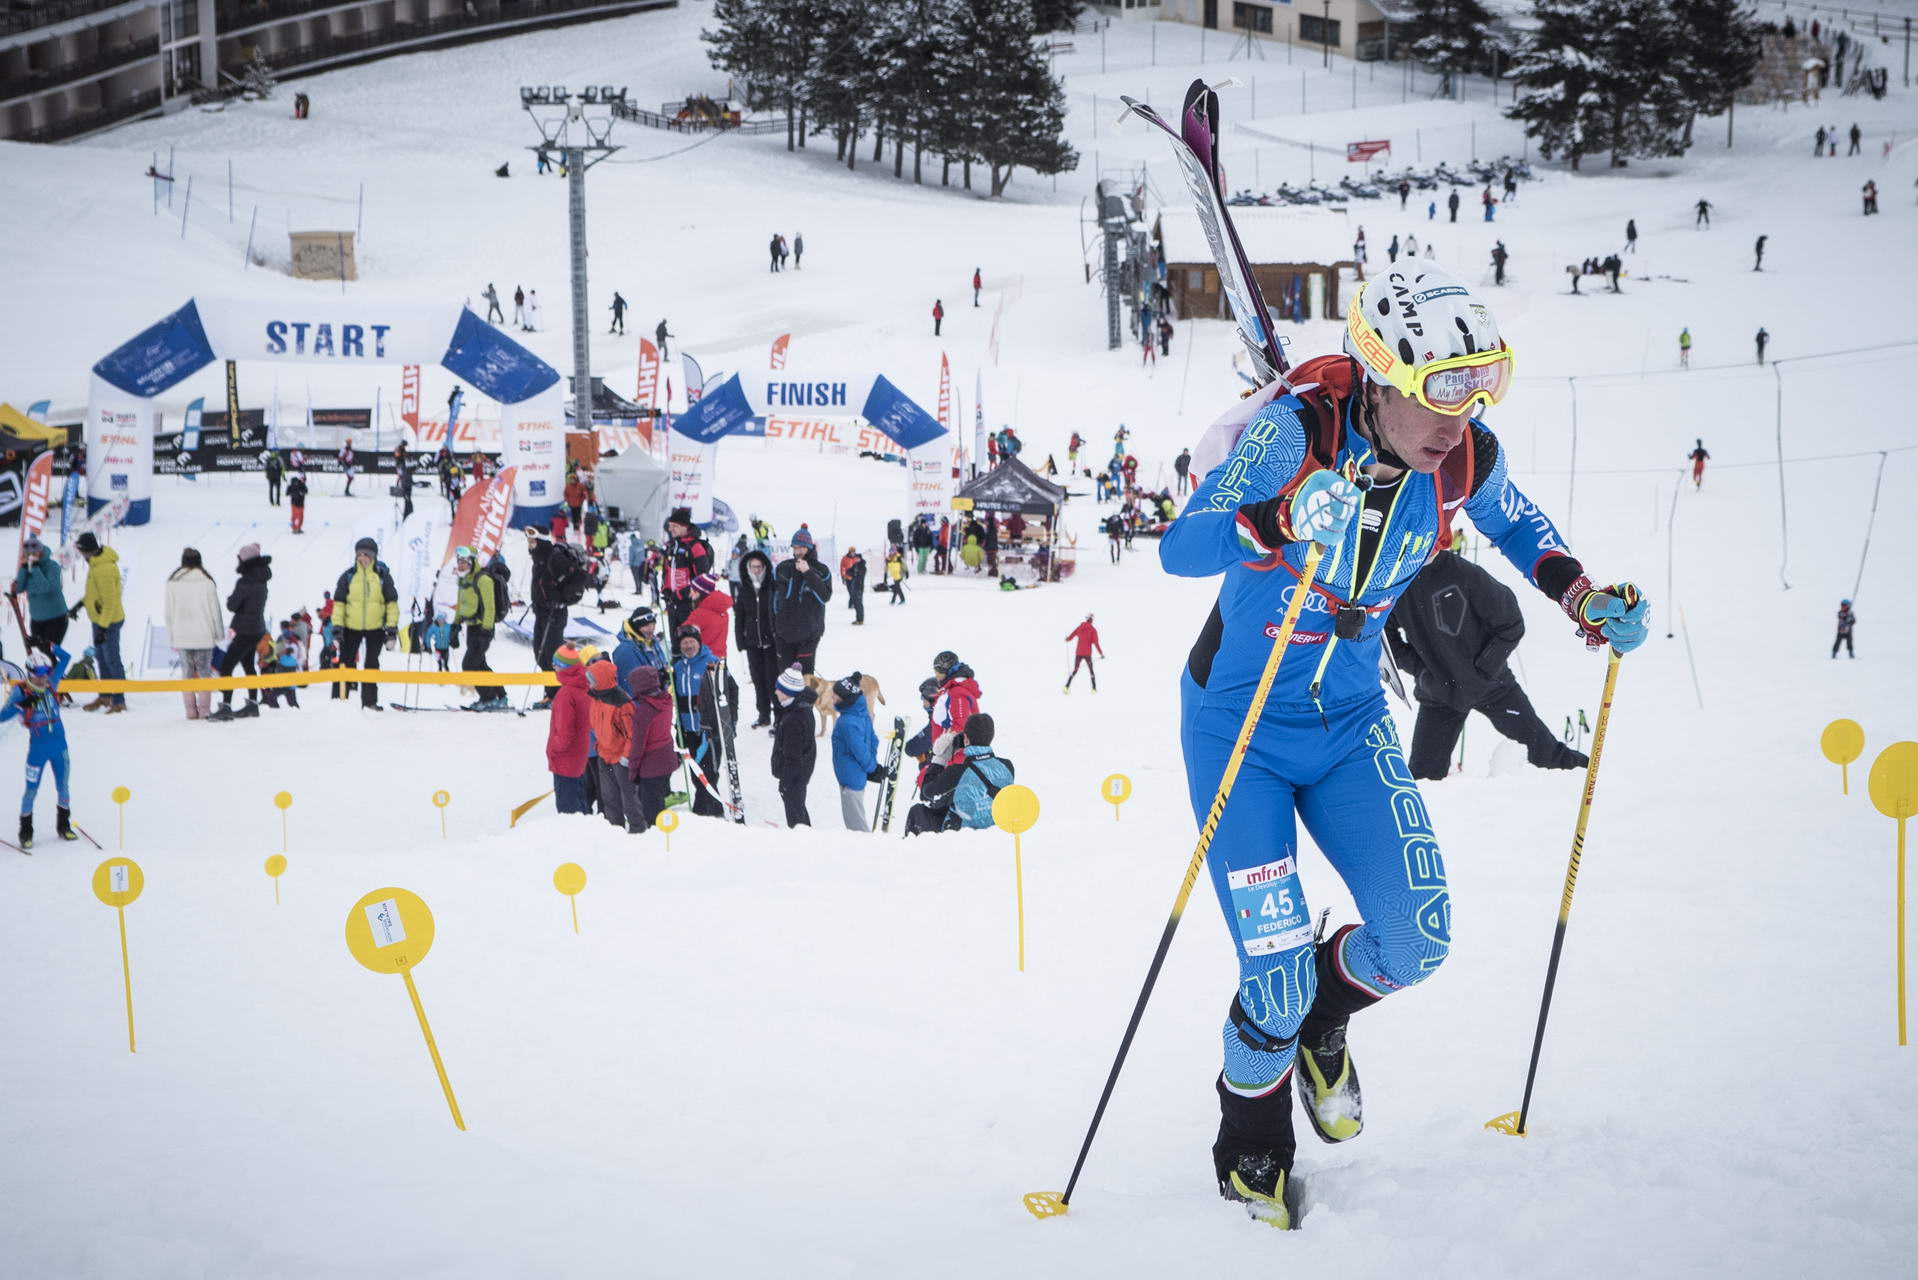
x,y
852,572
969,775
694,699
801,588
855,751
794,751
366,614
753,630
650,751
296,500
568,732
195,627
555,574
39,576
247,601
612,721
687,555
712,614
101,599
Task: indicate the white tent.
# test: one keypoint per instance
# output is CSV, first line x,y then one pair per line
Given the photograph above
x,y
635,482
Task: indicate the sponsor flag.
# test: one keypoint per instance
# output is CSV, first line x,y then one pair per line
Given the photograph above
x,y
779,350
33,514
1360,151
39,409
695,379
410,403
945,391
646,392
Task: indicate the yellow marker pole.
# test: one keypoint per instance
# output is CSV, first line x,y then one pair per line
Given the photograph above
x,y
1115,791
1843,741
440,801
667,822
120,797
390,931
569,878
1894,792
275,867
117,882
283,801
1015,809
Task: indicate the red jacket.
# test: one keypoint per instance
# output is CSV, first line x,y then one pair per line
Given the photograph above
x,y
651,748
1088,640
566,733
712,616
612,711
962,701
574,494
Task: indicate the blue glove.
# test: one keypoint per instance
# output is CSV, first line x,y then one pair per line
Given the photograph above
x,y
1321,508
1618,615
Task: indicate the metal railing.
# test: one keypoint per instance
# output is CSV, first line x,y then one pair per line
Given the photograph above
x,y
53,77
27,17
518,14
675,116
87,121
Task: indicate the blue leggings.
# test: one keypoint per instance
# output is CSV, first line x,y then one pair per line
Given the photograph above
x,y
1351,785
38,758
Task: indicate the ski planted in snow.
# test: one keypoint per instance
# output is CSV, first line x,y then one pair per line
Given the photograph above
x,y
728,714
895,754
1196,146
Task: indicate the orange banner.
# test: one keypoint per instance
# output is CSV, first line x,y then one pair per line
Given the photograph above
x,y
410,398
33,513
648,389
779,350
945,392
481,519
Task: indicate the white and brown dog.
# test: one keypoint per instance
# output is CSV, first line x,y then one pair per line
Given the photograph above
x,y
868,686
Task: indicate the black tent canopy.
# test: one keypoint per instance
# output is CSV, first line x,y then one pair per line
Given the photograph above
x,y
1013,486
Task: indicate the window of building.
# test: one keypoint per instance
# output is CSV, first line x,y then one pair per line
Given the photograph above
x,y
1195,279
1313,30
1252,17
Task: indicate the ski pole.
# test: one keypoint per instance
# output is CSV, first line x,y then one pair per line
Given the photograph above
x,y
1513,1122
1047,1204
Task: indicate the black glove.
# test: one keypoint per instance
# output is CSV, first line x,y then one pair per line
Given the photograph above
x,y
392,637
74,612
877,775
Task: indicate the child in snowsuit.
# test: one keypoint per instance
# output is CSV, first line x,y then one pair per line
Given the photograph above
x,y
439,638
569,732
285,657
651,749
794,752
36,701
855,751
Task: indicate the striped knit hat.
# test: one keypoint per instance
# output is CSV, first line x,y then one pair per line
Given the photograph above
x,y
792,680
567,656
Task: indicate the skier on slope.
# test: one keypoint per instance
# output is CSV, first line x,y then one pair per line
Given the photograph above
x,y
36,702
1846,621
1287,476
1085,638
1699,457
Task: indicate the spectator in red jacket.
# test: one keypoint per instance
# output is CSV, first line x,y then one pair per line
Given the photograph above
x,y
712,613
650,750
1085,638
568,731
958,700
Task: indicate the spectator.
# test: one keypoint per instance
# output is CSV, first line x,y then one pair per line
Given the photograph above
x,y
799,250
852,572
39,577
1631,235
569,732
275,467
559,581
101,599
694,702
938,315
612,717
479,606
1451,203
366,614
794,752
650,748
194,627
969,776
687,555
896,575
296,499
855,751
753,630
801,588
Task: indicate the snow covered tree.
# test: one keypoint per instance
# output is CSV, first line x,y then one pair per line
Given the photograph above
x,y
1722,49
257,81
763,42
1016,110
1451,37
1056,15
1604,75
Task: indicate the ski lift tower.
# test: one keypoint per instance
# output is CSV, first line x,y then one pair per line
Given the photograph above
x,y
575,131
1114,219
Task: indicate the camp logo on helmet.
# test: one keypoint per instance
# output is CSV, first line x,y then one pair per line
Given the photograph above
x,y
1408,308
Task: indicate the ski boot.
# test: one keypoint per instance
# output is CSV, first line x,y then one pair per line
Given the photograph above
x,y
1328,1082
224,713
247,710
63,824
1253,1154
26,831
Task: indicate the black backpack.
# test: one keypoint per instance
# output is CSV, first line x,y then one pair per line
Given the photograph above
x,y
569,572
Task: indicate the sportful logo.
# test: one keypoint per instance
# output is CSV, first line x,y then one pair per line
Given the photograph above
x,y
351,343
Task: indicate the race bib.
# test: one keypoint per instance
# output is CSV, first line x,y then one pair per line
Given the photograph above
x,y
1269,907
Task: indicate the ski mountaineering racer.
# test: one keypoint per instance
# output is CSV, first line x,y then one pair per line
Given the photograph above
x,y
1369,454
36,701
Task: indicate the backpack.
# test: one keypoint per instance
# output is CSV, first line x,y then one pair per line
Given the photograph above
x,y
571,577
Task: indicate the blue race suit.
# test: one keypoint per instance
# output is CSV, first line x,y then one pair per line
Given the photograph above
x,y
1325,746
39,711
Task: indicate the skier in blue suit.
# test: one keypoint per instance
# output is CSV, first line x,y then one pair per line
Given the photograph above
x,y
36,702
1370,455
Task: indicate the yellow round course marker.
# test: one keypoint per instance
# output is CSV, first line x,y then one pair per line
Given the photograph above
x,y
667,822
276,867
283,801
117,882
1116,790
569,878
390,931
1893,784
440,800
1843,741
1015,809
120,797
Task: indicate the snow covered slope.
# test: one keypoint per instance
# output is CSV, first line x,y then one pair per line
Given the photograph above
x,y
810,1052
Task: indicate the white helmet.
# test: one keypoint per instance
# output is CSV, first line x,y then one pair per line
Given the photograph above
x,y
1417,316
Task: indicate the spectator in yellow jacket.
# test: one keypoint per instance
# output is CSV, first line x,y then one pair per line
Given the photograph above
x,y
366,611
101,600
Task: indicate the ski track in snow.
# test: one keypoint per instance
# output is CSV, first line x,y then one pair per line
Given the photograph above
x,y
810,1052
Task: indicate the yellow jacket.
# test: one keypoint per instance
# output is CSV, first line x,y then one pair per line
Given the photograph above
x,y
366,600
102,594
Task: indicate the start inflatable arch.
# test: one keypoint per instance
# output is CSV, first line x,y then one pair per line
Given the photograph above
x,y
122,418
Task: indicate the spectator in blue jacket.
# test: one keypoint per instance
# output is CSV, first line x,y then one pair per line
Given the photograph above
x,y
39,577
960,793
855,751
694,702
639,645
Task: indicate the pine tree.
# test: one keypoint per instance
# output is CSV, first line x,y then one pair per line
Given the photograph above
x,y
1056,15
1603,75
1722,49
1017,111
1451,37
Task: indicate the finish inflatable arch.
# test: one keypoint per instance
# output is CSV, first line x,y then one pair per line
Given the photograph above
x,y
122,419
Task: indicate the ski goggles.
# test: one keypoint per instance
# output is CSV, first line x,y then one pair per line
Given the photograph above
x,y
1451,386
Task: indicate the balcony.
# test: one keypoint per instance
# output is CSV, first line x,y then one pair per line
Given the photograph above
x,y
87,121
44,13
452,27
53,77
